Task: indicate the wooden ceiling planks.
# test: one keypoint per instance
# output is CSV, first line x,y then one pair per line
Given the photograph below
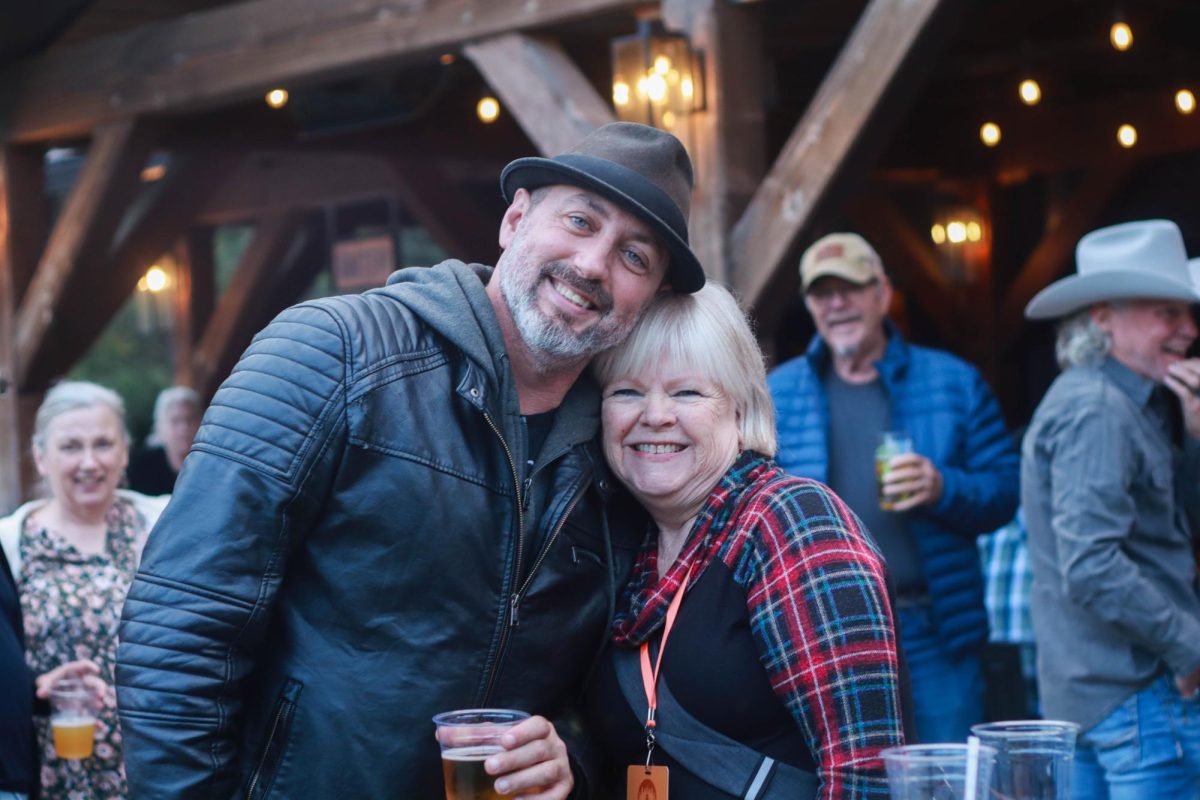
x,y
236,52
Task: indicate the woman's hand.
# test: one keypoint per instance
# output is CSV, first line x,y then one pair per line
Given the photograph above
x,y
534,765
84,671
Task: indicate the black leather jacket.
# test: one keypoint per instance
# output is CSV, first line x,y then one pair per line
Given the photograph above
x,y
356,543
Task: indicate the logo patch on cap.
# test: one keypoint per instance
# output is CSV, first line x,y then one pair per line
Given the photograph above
x,y
831,250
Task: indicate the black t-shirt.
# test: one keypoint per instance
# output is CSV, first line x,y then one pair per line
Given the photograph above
x,y
150,472
16,693
713,669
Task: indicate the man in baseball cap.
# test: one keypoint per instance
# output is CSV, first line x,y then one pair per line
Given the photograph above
x,y
1110,484
859,379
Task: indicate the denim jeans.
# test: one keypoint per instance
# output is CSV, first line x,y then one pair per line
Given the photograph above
x,y
947,690
1148,747
13,796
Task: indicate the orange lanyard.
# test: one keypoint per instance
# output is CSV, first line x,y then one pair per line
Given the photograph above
x,y
650,676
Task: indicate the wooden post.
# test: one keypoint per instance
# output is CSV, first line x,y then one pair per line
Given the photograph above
x,y
726,140
10,448
195,292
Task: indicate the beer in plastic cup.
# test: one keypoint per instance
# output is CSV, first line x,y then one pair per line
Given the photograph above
x,y
891,444
467,738
72,718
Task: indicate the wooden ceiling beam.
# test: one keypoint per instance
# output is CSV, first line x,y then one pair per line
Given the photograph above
x,y
453,218
159,217
236,52
1057,245
542,88
879,58
82,234
274,237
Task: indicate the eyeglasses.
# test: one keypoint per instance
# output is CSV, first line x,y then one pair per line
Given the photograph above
x,y
824,291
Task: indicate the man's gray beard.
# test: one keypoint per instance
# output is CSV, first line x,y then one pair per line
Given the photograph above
x,y
551,341
845,350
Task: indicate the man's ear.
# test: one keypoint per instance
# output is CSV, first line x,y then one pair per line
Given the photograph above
x,y
511,220
1101,313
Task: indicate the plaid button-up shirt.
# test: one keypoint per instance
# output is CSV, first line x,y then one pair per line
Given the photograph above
x,y
818,609
1007,577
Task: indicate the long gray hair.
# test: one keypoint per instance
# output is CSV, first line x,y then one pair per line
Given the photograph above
x,y
1080,341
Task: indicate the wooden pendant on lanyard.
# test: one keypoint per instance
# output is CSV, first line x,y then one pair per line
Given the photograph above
x,y
646,781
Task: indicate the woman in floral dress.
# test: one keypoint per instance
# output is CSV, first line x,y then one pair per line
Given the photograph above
x,y
74,556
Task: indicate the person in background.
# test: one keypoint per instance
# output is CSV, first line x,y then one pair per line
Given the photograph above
x,y
73,556
1011,657
177,412
858,379
784,640
1109,484
395,507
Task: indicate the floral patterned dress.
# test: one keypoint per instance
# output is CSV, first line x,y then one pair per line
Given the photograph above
x,y
71,603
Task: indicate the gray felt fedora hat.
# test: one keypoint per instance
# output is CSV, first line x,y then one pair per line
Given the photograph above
x,y
642,169
1133,260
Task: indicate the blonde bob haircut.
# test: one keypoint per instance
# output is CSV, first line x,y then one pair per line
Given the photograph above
x,y
708,332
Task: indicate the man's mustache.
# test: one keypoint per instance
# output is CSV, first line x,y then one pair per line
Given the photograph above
x,y
593,290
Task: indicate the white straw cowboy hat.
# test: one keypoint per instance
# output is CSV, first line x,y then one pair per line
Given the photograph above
x,y
1194,271
1123,262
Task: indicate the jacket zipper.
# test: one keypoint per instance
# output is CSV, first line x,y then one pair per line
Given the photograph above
x,y
562,521
511,616
262,761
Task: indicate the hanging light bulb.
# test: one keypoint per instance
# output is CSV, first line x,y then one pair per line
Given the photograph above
x,y
1185,101
1127,136
990,134
938,233
1121,36
487,109
1030,92
277,98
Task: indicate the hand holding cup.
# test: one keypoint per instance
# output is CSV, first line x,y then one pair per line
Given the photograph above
x,y
489,754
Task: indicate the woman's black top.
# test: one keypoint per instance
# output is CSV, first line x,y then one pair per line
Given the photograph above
x,y
712,668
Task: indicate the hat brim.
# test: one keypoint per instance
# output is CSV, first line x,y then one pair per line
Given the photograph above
x,y
1077,292
620,185
846,272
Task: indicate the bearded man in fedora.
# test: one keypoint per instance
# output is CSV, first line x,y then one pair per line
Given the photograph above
x,y
395,507
1110,486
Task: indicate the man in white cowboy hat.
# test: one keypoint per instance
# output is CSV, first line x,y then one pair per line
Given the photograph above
x,y
859,378
1110,485
394,507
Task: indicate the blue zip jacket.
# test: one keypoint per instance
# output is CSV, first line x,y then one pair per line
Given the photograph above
x,y
954,420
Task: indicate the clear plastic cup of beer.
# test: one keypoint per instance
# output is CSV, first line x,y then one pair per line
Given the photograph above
x,y
467,738
891,444
72,718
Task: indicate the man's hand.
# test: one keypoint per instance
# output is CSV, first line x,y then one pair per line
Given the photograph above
x,y
534,765
1188,684
1183,378
914,478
